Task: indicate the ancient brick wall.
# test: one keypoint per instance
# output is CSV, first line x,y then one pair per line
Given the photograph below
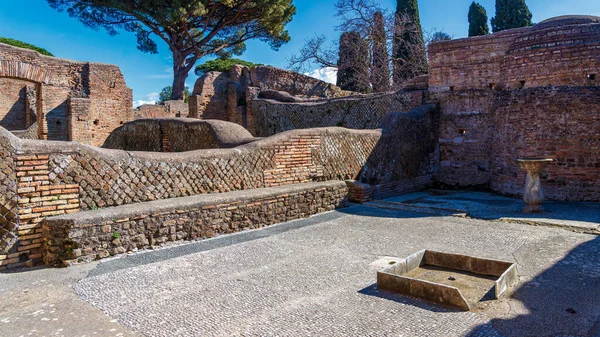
x,y
559,123
85,237
209,99
59,178
55,81
466,133
110,101
151,111
482,132
80,120
356,112
13,104
293,83
227,96
177,135
556,55
8,199
169,109
561,51
471,63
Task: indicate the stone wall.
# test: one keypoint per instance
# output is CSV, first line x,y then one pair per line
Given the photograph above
x,y
55,81
177,135
355,112
88,236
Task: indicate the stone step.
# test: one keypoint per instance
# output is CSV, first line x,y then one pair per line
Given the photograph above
x,y
93,235
417,208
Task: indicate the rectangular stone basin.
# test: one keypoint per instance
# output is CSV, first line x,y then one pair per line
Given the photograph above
x,y
453,280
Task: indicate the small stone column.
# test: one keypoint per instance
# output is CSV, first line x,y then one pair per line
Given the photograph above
x,y
533,195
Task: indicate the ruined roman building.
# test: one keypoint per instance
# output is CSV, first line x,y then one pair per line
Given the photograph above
x,y
530,92
49,98
264,145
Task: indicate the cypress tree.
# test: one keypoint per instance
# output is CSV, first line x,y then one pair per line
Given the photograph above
x,y
353,64
511,14
380,67
410,59
478,20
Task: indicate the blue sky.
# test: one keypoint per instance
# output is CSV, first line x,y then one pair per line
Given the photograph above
x,y
35,22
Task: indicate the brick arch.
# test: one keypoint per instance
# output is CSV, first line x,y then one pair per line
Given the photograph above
x,y
25,71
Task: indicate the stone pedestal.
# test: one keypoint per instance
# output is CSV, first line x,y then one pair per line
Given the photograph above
x,y
533,193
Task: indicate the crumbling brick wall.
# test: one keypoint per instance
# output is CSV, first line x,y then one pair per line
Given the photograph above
x,y
560,123
561,51
168,109
56,81
227,96
473,63
466,132
355,112
13,104
9,225
176,135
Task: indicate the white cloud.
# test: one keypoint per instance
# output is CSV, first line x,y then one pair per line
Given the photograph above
x,y
151,98
327,74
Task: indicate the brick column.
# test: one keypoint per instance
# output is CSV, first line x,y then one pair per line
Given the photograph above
x,y
38,199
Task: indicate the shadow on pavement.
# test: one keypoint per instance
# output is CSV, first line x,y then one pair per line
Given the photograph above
x,y
564,300
373,291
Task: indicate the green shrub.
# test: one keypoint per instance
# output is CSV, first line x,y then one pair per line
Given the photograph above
x,y
25,45
222,65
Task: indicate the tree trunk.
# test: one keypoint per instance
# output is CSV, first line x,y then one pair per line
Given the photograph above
x,y
180,74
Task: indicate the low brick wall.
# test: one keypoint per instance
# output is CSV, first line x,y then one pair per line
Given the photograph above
x,y
92,235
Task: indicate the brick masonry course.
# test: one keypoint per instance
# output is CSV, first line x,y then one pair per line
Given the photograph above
x,y
93,235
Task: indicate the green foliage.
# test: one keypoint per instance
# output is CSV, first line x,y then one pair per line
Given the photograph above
x,y
511,14
167,92
192,29
478,20
410,59
222,65
380,66
440,36
353,64
25,45
116,235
